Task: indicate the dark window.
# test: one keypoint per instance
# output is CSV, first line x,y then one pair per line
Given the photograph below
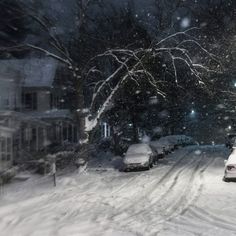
x,y
30,101
56,101
6,103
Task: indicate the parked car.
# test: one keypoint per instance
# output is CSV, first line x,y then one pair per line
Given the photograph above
x,y
230,167
167,144
159,148
164,145
234,145
138,156
173,140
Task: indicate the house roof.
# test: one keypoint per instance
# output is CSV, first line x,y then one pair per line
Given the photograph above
x,y
33,72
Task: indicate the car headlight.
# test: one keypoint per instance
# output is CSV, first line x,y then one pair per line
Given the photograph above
x,y
146,163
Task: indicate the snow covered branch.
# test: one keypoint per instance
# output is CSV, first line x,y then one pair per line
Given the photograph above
x,y
134,65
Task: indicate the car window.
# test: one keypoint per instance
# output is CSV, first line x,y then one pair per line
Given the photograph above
x,y
137,149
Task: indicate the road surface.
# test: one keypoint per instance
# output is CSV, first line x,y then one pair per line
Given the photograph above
x,y
183,195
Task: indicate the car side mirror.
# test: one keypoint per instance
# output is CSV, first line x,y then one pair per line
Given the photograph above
x,y
225,161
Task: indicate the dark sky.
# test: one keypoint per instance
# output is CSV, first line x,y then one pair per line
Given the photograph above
x,y
182,14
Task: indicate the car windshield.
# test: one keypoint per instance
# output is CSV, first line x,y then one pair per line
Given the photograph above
x,y
138,149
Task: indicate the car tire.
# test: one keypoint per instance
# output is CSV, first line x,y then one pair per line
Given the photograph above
x,y
225,179
148,167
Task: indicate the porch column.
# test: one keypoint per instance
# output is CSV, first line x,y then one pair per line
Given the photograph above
x,y
12,153
1,154
62,132
73,133
28,136
20,141
5,153
77,134
44,137
37,138
67,131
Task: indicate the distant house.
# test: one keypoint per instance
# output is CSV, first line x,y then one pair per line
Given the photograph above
x,y
31,114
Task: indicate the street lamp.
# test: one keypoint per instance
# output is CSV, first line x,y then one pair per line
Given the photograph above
x,y
192,113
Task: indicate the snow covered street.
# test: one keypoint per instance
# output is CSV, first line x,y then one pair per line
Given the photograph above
x,y
183,195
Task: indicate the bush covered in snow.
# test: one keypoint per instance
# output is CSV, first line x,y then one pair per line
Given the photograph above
x,y
7,175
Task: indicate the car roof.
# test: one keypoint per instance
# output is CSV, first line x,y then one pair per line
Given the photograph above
x,y
232,158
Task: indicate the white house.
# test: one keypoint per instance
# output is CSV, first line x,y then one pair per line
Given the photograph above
x,y
30,109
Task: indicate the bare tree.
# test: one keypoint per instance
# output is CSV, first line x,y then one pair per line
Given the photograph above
x,y
134,65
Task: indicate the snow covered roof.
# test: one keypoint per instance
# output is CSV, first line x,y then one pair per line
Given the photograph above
x,y
232,158
33,72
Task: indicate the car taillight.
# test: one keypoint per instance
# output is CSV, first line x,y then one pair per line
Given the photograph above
x,y
230,167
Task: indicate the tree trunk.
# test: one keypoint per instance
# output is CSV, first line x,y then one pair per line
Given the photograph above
x,y
83,135
135,128
116,140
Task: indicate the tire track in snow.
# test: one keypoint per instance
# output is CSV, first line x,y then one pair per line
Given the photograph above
x,y
211,219
181,204
155,183
124,219
168,190
126,184
112,196
201,214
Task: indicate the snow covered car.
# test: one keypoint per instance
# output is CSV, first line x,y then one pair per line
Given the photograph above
x,y
183,140
168,146
234,145
159,148
138,156
174,141
230,167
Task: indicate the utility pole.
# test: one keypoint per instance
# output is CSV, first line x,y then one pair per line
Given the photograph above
x,y
54,172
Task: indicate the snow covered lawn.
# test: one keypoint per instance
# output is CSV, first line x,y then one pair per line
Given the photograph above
x,y
183,195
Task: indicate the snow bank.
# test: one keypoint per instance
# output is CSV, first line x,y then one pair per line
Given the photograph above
x,y
105,161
